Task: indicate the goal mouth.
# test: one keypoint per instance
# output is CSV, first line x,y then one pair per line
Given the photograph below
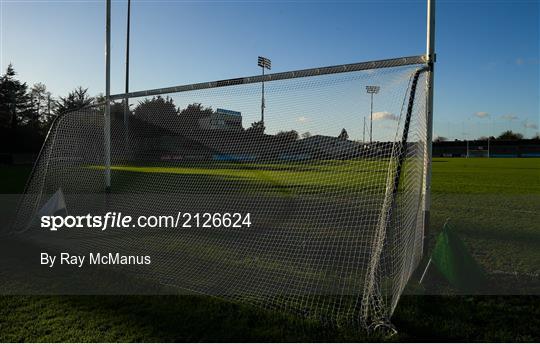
x,y
317,209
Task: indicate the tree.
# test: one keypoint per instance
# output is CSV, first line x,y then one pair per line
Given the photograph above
x,y
117,111
42,102
117,108
159,111
306,135
99,98
343,135
256,128
19,132
75,100
15,104
190,116
510,135
291,135
440,139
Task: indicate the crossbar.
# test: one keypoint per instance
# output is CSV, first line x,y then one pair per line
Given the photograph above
x,y
353,67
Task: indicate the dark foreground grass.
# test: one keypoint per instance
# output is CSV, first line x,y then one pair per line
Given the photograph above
x,y
149,319
493,205
13,178
189,318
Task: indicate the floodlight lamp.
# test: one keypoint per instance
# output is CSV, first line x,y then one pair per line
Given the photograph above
x,y
373,89
264,62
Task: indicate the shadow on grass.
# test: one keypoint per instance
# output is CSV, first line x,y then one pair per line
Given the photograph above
x,y
153,319
469,318
197,318
13,178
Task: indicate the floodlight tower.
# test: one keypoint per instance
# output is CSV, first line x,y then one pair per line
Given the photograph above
x,y
465,138
488,153
489,136
364,132
371,90
264,63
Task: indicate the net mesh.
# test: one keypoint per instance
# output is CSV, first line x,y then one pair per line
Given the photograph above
x,y
335,220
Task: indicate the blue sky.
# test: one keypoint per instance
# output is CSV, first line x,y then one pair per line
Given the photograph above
x,y
487,76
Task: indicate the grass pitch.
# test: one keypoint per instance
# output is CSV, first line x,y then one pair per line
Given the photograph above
x,y
492,203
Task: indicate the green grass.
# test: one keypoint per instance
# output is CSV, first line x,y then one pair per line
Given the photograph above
x,y
277,179
512,176
492,203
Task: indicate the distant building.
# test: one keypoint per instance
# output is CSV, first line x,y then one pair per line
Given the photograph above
x,y
222,119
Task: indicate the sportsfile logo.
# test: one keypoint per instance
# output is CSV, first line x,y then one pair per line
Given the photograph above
x,y
118,220
109,220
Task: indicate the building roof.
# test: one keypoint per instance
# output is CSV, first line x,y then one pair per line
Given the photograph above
x,y
228,112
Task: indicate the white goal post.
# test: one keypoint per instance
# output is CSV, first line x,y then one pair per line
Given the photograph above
x,y
337,225
430,60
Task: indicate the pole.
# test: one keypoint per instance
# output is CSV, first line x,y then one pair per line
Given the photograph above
x,y
262,99
489,136
371,121
126,101
364,132
107,119
430,57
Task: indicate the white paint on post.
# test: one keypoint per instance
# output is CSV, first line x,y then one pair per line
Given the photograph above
x,y
126,101
107,119
430,57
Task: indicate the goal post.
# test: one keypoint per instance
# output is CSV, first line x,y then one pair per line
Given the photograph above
x,y
430,61
336,222
107,113
330,228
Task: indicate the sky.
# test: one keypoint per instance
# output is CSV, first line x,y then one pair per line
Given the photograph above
x,y
487,72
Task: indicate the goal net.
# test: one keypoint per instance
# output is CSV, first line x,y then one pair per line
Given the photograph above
x,y
477,151
324,222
